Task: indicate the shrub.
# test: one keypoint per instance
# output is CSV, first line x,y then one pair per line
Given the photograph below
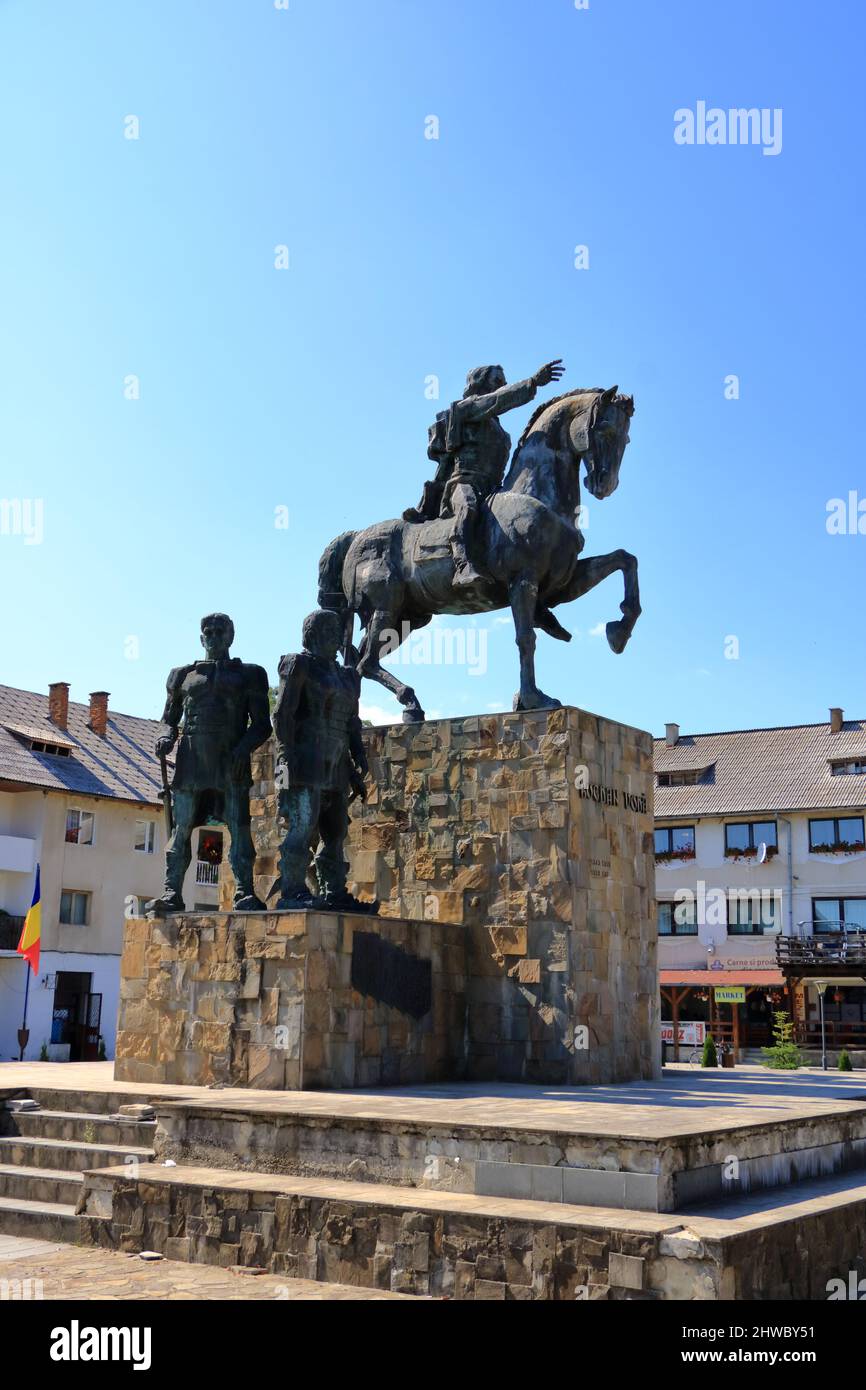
x,y
784,1055
709,1058
844,1063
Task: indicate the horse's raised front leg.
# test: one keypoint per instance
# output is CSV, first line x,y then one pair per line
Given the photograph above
x,y
592,571
523,597
384,632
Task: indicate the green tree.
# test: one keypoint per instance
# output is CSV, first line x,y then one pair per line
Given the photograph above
x,y
709,1058
784,1055
844,1063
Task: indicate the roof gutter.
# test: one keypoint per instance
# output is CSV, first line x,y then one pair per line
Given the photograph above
x,y
14,784
758,811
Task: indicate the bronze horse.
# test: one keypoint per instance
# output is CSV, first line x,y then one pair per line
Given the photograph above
x,y
397,575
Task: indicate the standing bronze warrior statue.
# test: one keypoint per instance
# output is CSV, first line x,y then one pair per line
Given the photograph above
x,y
217,714
320,767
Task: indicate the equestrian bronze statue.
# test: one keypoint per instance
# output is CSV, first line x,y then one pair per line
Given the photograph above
x,y
472,449
516,545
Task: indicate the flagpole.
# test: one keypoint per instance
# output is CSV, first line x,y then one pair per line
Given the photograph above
x,y
28,947
24,1020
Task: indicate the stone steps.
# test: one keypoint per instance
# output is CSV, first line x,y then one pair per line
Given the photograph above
x,y
55,1098
70,1155
79,1125
41,1220
40,1184
44,1152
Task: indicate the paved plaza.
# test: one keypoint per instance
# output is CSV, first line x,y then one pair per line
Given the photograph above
x,y
686,1100
64,1272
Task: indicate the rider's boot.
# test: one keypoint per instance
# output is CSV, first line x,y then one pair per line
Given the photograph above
x,y
465,573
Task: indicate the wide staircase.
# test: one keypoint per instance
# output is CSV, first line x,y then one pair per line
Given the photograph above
x,y
45,1151
418,1198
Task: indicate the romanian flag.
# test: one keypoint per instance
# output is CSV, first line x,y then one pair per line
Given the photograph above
x,y
28,946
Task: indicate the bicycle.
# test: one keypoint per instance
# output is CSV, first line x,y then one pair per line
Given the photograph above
x,y
696,1056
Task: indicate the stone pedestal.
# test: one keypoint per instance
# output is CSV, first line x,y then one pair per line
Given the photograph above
x,y
532,832
290,1000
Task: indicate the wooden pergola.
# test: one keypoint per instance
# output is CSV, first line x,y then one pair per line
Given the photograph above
x,y
675,986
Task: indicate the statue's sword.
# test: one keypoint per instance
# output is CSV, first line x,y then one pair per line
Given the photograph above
x,y
348,633
165,796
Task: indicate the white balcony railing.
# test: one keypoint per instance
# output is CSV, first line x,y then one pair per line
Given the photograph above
x,y
206,873
17,855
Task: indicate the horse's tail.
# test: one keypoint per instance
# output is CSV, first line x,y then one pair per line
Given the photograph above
x,y
331,591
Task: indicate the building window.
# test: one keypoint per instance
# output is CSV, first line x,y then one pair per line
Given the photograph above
x,y
55,749
678,919
850,767
835,834
743,838
751,913
838,914
675,842
145,836
686,777
210,846
210,855
79,827
74,908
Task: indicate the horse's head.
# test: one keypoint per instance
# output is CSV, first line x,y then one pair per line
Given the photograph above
x,y
598,433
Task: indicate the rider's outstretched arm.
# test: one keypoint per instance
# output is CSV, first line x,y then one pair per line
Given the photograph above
x,y
497,402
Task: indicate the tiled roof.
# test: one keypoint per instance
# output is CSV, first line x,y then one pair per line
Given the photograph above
x,y
786,769
122,765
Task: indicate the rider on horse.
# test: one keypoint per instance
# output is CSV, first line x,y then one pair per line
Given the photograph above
x,y
472,450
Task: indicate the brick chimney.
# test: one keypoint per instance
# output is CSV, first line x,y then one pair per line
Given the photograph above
x,y
99,712
672,734
837,718
58,703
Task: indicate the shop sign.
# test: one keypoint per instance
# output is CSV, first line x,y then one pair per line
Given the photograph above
x,y
692,1034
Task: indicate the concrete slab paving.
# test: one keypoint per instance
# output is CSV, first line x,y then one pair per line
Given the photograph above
x,y
684,1101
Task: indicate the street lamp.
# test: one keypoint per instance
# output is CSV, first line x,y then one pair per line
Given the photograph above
x,y
821,986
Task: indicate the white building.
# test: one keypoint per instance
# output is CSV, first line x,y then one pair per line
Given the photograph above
x,y
79,796
759,833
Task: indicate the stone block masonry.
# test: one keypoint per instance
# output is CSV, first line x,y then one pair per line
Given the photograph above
x,y
463,1247
532,832
290,1001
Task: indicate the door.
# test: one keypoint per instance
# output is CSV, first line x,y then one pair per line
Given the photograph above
x,y
90,1028
71,1012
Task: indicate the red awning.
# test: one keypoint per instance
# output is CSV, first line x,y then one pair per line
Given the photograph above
x,y
707,979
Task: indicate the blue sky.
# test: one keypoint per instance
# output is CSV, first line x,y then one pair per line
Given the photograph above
x,y
411,257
